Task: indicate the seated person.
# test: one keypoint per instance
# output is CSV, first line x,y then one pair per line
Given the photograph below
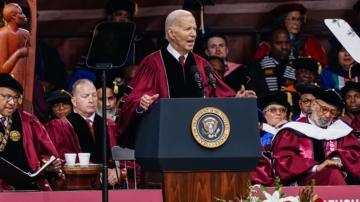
x,y
342,68
276,111
111,90
305,99
316,147
351,96
218,65
60,104
23,140
81,131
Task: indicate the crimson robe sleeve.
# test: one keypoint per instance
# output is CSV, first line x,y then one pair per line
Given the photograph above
x,y
263,173
63,137
262,50
145,81
348,150
356,123
313,49
288,164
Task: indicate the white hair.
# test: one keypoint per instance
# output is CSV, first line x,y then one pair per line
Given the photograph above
x,y
79,82
170,21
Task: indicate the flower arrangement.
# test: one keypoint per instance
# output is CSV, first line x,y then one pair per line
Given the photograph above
x,y
305,195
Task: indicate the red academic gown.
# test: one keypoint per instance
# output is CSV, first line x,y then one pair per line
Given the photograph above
x,y
312,48
150,78
263,173
65,140
294,158
37,145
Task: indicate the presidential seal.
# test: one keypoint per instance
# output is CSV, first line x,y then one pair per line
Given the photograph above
x,y
210,127
15,136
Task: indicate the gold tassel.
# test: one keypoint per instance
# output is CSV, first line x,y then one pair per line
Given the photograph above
x,y
136,9
290,101
116,88
64,91
201,17
319,68
20,99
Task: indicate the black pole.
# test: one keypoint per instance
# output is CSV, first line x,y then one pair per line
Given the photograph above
x,y
105,191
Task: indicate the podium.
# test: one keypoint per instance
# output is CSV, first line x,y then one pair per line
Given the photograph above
x,y
195,149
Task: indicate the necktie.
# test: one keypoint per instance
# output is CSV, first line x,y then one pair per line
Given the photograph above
x,y
182,62
3,119
88,121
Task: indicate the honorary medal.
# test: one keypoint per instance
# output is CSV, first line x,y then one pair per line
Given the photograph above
x,y
15,136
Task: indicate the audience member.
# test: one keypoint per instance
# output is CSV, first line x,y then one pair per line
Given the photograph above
x,y
315,147
272,73
342,68
166,74
128,74
351,96
59,104
304,99
216,45
218,64
290,17
81,131
142,46
276,111
23,140
111,90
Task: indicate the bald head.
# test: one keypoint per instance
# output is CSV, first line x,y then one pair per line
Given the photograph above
x,y
171,20
80,82
10,11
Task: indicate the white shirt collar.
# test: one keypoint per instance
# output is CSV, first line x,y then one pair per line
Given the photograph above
x,y
92,117
174,53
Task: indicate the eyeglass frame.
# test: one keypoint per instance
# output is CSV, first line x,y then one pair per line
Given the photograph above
x,y
307,100
277,109
327,110
57,106
8,98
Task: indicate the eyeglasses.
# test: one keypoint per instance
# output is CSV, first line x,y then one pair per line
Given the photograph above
x,y
294,20
273,110
58,106
324,110
8,98
306,101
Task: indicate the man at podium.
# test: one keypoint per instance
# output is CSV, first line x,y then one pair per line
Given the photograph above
x,y
169,73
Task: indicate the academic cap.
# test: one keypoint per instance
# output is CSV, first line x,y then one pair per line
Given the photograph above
x,y
115,5
112,84
274,98
286,8
306,88
350,86
307,63
330,96
7,81
191,5
58,96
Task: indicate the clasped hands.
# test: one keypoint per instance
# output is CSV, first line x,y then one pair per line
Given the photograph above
x,y
329,163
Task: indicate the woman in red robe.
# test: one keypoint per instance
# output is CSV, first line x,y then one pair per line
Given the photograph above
x,y
304,45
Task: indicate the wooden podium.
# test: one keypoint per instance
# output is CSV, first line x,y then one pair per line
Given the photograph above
x,y
189,170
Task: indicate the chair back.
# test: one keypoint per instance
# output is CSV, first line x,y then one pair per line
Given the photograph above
x,y
123,154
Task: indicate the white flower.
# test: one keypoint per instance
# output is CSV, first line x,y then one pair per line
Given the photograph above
x,y
276,198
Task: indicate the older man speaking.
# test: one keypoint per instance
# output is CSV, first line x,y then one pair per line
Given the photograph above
x,y
167,74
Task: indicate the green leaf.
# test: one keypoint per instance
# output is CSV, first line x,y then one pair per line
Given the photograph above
x,y
264,189
218,199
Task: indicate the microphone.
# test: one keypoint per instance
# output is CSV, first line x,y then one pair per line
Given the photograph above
x,y
198,82
210,73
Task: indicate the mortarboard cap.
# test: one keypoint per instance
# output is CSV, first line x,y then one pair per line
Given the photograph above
x,y
191,5
275,98
350,86
306,88
286,8
112,84
115,5
7,81
356,7
330,96
307,63
58,96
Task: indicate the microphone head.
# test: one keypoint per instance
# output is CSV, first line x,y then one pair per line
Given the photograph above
x,y
194,69
208,70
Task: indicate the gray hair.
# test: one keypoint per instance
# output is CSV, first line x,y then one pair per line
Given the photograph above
x,y
170,21
79,82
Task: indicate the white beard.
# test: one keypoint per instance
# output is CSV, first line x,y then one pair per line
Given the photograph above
x,y
110,114
320,122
